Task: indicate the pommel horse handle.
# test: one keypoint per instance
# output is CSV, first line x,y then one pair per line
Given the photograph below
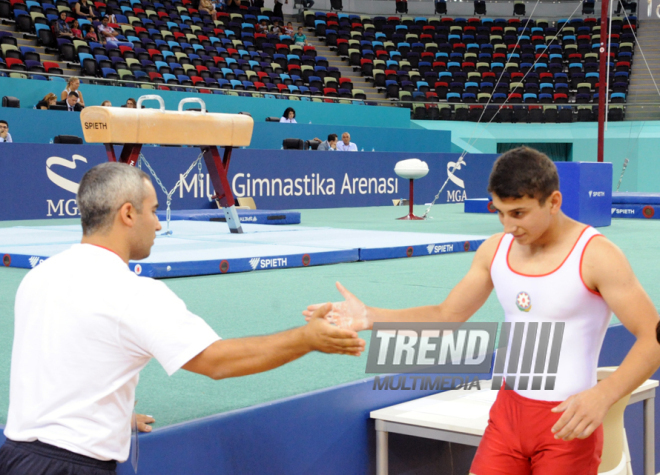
x,y
152,97
188,101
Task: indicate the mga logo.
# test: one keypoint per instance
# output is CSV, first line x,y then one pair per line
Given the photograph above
x,y
455,196
60,181
523,302
138,269
63,207
35,261
254,262
430,248
594,194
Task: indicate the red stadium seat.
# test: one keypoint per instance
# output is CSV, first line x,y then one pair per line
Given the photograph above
x,y
14,63
515,98
48,65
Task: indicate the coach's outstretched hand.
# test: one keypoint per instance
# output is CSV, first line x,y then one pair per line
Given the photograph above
x,y
351,313
328,338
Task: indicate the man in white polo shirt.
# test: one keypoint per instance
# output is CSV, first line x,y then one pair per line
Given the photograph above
x,y
346,145
85,326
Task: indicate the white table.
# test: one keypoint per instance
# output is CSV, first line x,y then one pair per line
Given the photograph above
x,y
461,416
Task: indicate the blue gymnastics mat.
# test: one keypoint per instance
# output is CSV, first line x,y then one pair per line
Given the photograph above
x,y
254,216
201,248
635,198
478,205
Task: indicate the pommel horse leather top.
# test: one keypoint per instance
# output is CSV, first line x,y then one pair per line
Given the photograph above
x,y
135,127
119,125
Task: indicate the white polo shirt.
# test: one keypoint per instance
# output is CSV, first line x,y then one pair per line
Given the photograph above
x,y
342,147
85,325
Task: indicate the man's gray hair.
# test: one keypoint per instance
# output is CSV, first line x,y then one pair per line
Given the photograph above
x,y
104,189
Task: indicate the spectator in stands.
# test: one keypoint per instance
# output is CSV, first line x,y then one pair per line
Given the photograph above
x,y
233,5
109,12
621,4
402,6
277,8
75,29
261,27
84,9
209,7
5,136
90,34
300,38
71,102
61,27
131,103
329,145
107,33
346,145
219,5
72,85
288,29
257,3
106,104
307,4
289,116
49,99
275,28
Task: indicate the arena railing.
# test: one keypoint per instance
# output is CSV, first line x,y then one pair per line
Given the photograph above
x,y
653,107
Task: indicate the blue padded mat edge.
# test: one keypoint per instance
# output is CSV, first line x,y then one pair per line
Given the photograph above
x,y
636,211
203,248
254,216
637,198
478,205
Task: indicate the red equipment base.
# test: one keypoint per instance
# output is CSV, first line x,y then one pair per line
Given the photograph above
x,y
410,216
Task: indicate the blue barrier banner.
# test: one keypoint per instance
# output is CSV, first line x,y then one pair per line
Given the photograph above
x,y
41,180
586,189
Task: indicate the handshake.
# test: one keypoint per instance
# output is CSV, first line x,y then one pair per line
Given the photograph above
x,y
333,327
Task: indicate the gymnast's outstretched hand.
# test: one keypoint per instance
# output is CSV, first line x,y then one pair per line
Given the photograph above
x,y
327,338
351,313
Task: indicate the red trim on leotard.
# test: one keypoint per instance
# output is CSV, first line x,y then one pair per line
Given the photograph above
x,y
595,292
495,255
551,272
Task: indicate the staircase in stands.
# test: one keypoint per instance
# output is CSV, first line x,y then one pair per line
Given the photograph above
x,y
642,89
359,81
32,41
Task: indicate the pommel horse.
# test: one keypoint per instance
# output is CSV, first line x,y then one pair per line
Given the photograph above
x,y
135,127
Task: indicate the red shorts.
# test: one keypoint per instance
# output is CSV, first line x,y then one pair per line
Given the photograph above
x,y
518,441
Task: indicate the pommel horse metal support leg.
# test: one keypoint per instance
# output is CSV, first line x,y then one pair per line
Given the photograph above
x,y
135,127
218,174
